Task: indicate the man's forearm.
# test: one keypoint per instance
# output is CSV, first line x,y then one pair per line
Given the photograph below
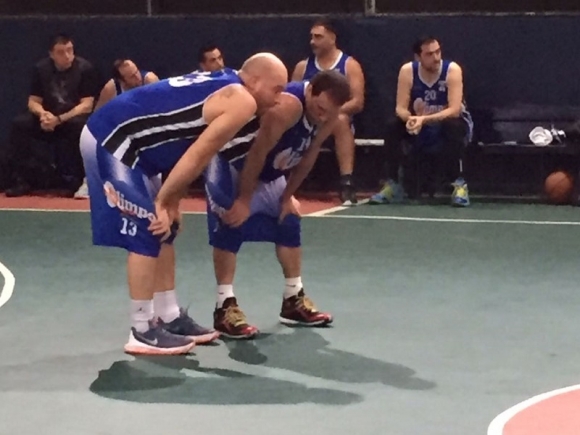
x,y
440,116
352,107
249,177
79,109
403,114
35,108
298,175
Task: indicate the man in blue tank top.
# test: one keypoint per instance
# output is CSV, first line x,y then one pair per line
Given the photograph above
x,y
176,126
126,76
431,116
249,199
327,56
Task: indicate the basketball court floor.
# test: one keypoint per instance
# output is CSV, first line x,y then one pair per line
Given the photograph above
x,y
447,322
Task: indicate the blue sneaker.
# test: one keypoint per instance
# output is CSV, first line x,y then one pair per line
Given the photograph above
x,y
185,326
157,341
460,196
390,193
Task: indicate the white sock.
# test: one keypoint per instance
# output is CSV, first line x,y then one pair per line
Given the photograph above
x,y
141,314
224,292
292,287
165,305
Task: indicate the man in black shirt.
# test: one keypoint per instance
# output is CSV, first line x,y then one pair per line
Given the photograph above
x,y
47,136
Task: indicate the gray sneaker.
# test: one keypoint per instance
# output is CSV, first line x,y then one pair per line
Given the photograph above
x,y
185,326
157,341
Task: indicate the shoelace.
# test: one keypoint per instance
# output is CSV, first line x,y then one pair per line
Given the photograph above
x,y
235,316
306,303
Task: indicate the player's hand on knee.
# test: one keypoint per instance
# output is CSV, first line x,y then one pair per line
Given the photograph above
x,y
238,214
292,206
161,226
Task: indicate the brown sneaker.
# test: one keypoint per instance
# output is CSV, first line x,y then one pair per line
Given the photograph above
x,y
300,310
231,322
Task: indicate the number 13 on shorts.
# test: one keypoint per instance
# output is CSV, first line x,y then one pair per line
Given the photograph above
x,y
128,227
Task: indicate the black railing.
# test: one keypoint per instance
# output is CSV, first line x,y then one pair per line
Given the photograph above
x,y
243,7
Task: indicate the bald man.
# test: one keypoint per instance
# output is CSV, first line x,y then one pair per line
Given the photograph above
x,y
126,76
176,125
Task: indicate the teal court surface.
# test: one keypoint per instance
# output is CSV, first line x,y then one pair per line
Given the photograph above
x,y
446,320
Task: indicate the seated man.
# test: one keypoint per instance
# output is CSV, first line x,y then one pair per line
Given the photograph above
x,y
327,56
210,59
430,116
61,98
126,76
288,142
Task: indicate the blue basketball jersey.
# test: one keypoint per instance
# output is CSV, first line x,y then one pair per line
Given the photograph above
x,y
152,126
288,152
429,98
312,66
117,82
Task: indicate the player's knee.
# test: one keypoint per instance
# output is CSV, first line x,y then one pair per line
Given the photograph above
x,y
289,232
343,124
229,241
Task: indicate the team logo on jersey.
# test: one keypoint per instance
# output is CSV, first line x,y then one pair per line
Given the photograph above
x,y
442,86
116,199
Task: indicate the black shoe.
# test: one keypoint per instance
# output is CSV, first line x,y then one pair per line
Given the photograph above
x,y
18,190
348,195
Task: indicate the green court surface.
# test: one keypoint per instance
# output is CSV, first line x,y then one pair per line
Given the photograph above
x,y
443,319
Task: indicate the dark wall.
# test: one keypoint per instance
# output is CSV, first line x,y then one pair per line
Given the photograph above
x,y
507,59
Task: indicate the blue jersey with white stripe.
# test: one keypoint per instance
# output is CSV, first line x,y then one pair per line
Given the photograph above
x,y
289,150
152,126
312,67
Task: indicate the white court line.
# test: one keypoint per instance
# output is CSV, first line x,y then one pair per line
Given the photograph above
x,y
328,214
449,220
331,210
8,284
497,425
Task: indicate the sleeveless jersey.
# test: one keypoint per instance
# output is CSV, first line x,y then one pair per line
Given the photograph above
x,y
289,150
312,66
152,126
429,98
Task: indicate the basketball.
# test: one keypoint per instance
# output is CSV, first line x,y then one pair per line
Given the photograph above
x,y
558,187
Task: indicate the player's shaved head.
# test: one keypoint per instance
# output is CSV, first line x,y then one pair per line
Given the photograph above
x,y
265,76
260,62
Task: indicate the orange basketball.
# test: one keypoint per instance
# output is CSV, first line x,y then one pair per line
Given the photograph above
x,y
558,187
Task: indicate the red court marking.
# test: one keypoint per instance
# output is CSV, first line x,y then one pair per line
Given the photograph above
x,y
192,205
553,413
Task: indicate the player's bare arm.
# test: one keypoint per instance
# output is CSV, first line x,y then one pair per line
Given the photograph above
x,y
226,113
455,96
107,94
303,168
404,85
273,124
356,80
299,70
